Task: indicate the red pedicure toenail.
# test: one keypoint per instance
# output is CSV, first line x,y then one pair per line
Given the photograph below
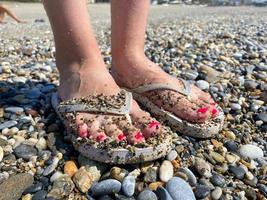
x,y
139,136
83,130
121,137
202,110
214,112
213,104
101,137
153,123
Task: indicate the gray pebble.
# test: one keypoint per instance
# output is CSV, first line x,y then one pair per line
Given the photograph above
x,y
109,186
172,155
162,193
203,85
262,117
217,180
25,151
235,106
39,195
8,124
128,186
14,110
201,191
147,195
238,172
191,177
51,167
179,189
216,194
250,151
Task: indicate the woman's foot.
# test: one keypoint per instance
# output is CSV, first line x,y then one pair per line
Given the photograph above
x,y
95,81
139,70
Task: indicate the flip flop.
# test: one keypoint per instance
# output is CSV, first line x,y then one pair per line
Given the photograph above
x,y
117,155
197,130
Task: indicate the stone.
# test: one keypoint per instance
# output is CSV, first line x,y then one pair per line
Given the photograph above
x,y
25,151
83,161
14,110
262,116
263,189
217,180
231,146
1,154
172,155
109,186
151,175
179,189
83,179
55,176
70,168
147,195
3,142
48,170
27,197
201,191
34,188
162,193
39,195
13,187
238,172
250,151
235,106
202,167
41,144
122,197
155,185
62,187
96,174
8,124
191,177
105,197
217,157
203,85
166,171
216,193
128,186
117,173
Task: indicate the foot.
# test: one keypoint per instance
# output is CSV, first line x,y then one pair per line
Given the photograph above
x,y
95,81
139,71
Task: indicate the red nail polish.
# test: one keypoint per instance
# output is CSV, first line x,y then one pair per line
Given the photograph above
x,y
213,104
101,137
83,130
121,137
214,112
202,110
153,123
139,136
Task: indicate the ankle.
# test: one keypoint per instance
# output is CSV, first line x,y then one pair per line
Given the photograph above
x,y
129,58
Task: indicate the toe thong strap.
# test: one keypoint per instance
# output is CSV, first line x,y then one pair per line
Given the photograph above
x,y
186,91
119,104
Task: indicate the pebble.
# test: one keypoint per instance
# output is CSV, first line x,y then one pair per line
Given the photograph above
x,y
162,193
14,110
96,174
48,170
25,151
217,180
34,188
263,189
55,176
166,171
62,187
190,175
201,191
3,142
39,195
262,117
1,154
216,156
128,186
172,155
27,197
250,151
151,175
83,179
216,193
179,189
109,186
147,195
238,172
8,124
117,173
41,144
203,85
236,106
202,167
13,187
231,146
70,168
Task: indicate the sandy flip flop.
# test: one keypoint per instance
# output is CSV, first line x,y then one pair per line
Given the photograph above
x,y
107,154
202,130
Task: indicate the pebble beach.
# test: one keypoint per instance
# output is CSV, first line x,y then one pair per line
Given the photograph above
x,y
222,50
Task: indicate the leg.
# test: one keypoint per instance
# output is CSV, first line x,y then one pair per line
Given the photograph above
x,y
81,67
131,68
4,10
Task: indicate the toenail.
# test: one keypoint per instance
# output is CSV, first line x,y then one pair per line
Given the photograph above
x,y
213,104
153,124
139,136
83,130
202,110
121,137
101,137
214,112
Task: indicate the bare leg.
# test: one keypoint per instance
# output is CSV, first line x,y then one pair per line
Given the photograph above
x,y
3,10
81,67
131,68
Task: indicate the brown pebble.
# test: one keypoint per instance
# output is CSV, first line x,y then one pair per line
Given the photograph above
x,y
155,185
32,112
181,175
175,164
70,168
216,143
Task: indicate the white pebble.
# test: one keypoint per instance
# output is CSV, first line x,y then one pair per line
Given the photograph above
x,y
251,151
41,144
1,153
166,171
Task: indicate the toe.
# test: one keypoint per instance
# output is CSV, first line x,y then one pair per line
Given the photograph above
x,y
135,136
112,130
96,133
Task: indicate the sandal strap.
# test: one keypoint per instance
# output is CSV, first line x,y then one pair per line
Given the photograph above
x,y
156,86
124,109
